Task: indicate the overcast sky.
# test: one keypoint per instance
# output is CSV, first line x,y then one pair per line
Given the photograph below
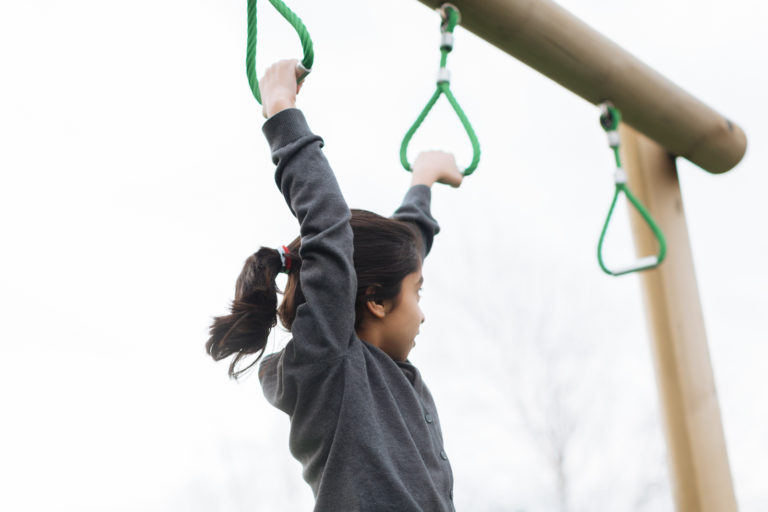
x,y
136,180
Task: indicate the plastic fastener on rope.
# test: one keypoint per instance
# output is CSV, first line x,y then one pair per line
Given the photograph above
x,y
446,41
610,117
450,18
302,69
302,72
443,76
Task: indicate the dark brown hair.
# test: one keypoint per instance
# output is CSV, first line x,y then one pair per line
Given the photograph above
x,y
385,251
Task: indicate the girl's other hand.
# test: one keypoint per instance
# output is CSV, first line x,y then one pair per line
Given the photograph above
x,y
278,87
436,166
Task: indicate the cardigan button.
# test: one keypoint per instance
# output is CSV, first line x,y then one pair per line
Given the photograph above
x,y
443,455
428,417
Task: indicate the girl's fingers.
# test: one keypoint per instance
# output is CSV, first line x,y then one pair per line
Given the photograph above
x,y
280,74
453,179
279,87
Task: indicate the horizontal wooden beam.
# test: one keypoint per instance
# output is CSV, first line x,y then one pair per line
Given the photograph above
x,y
554,42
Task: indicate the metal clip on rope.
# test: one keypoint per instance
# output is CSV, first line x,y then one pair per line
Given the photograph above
x,y
302,69
610,117
450,18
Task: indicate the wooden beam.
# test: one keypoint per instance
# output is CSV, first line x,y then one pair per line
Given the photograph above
x,y
698,457
556,43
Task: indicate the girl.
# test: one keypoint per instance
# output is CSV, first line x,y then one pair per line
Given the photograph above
x,y
363,423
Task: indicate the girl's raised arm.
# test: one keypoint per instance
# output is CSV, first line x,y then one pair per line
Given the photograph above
x,y
429,168
324,324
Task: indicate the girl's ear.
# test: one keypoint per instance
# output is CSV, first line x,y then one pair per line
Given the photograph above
x,y
373,303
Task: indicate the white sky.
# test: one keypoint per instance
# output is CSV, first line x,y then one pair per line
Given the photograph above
x,y
135,181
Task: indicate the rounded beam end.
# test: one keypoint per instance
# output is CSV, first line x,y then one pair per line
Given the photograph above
x,y
721,149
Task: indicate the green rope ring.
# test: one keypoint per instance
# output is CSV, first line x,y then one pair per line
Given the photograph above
x,y
609,120
250,49
646,263
451,18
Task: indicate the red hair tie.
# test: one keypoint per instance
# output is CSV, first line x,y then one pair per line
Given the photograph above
x,y
285,256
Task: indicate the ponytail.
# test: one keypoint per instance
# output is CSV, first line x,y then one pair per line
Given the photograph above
x,y
385,251
254,310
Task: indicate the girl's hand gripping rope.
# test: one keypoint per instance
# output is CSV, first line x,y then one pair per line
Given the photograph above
x,y
279,87
436,166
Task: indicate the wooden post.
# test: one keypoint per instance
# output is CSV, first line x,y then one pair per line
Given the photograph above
x,y
698,458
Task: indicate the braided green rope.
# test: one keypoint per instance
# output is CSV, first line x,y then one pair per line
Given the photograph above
x,y
250,50
451,19
610,123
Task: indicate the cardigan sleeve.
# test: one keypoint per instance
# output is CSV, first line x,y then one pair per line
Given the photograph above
x,y
415,209
324,324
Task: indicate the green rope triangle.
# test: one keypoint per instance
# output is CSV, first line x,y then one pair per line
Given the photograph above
x,y
450,20
250,50
609,120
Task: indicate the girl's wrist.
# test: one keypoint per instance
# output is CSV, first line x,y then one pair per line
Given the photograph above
x,y
278,106
422,179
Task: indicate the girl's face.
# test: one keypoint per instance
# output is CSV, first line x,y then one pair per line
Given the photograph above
x,y
401,324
